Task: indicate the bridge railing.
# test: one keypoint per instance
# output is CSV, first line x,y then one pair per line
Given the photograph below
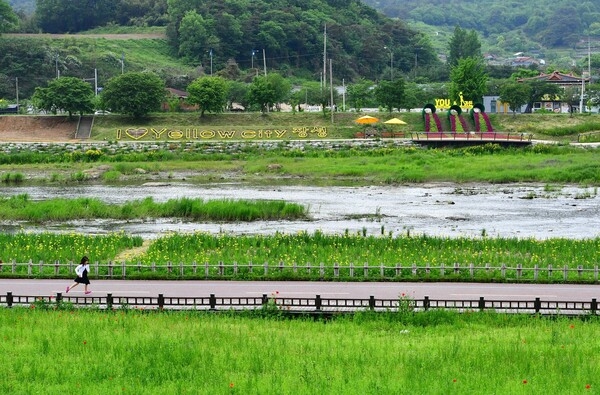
x,y
313,305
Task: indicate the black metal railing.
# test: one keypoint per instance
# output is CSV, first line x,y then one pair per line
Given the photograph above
x,y
313,305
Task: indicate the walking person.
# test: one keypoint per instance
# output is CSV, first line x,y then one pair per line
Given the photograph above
x,y
82,271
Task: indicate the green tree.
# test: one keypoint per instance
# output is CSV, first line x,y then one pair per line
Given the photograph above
x,y
390,94
69,94
572,96
268,90
468,80
515,94
539,90
463,44
361,94
210,93
135,94
62,16
8,19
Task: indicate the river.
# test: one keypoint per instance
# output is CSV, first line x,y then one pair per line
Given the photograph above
x,y
449,210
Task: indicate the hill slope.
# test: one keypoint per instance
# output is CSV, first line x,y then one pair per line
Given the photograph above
x,y
549,28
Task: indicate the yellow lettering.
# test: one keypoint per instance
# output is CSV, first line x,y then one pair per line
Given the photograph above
x,y
175,134
118,134
157,134
207,134
248,134
227,134
280,133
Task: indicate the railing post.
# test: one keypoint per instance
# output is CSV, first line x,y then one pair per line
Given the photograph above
x,y
41,266
566,272
56,268
213,302
398,270
336,270
579,271
426,303
169,267
381,270
472,270
351,270
9,299
221,269
503,270
14,266
519,271
194,267
123,269
322,270
318,302
266,268
456,268
535,272
110,269
366,270
537,305
58,298
29,267
206,271
109,301
594,306
481,303
265,300
181,270
414,269
442,270
372,302
161,301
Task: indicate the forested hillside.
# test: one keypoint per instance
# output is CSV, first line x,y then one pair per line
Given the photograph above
x,y
505,25
360,41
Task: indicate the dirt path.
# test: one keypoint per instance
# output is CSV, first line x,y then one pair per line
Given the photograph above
x,y
133,252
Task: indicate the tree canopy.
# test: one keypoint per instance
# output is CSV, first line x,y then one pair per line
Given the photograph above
x,y
210,93
135,94
8,18
468,80
69,94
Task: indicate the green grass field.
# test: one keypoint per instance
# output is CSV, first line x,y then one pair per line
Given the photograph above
x,y
139,352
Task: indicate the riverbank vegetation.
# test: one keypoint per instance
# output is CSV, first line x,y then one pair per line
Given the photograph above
x,y
301,163
306,256
22,208
138,351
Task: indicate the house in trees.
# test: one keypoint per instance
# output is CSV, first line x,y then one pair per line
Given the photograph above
x,y
565,81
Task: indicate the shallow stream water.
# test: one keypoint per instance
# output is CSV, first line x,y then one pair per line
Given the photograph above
x,y
449,210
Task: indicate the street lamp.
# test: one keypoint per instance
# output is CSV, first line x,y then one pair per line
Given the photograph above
x,y
391,63
211,58
253,53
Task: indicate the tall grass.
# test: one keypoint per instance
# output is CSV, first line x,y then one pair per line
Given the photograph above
x,y
138,352
49,247
292,253
356,249
20,207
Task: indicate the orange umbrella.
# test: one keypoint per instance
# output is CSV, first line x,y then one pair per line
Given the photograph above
x,y
366,119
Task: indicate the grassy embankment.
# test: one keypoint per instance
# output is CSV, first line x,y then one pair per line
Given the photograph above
x,y
437,352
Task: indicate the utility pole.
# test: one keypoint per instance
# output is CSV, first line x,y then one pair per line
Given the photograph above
x,y
17,90
265,62
331,89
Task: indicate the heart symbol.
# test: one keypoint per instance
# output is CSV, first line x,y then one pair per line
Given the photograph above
x,y
136,134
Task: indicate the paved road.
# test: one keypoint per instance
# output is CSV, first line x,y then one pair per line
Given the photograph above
x,y
386,290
